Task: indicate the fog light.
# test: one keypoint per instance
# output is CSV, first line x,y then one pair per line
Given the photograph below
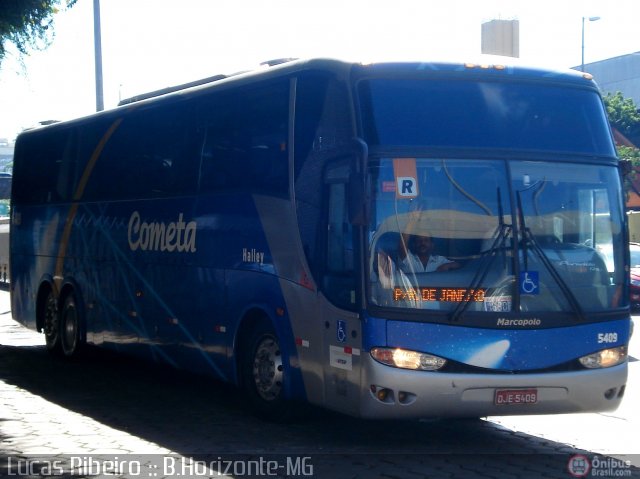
x,y
382,394
605,358
405,359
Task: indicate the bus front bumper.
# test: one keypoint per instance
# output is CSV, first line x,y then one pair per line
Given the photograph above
x,y
389,392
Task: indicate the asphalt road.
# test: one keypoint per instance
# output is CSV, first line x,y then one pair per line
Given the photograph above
x,y
109,416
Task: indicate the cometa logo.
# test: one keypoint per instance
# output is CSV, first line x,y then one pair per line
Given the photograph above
x,y
157,236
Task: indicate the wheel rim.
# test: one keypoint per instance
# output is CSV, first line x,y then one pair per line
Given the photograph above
x,y
51,320
267,369
69,329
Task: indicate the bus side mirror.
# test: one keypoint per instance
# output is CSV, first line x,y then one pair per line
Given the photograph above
x,y
626,167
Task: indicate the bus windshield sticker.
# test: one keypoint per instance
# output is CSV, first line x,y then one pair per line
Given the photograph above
x,y
406,175
529,283
388,187
497,304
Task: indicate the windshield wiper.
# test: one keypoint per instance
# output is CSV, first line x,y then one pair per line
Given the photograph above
x,y
502,233
528,239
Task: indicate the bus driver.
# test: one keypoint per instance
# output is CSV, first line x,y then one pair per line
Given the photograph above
x,y
420,258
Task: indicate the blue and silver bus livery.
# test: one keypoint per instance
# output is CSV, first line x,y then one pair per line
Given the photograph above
x,y
387,240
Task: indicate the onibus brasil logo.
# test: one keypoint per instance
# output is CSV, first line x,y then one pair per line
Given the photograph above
x,y
580,465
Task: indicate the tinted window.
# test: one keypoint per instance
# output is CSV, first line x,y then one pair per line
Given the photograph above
x,y
322,126
246,140
39,163
152,153
465,114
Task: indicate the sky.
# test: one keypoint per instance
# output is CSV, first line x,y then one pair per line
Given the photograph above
x,y
151,44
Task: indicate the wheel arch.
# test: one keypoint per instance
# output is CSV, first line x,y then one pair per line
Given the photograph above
x,y
47,285
250,319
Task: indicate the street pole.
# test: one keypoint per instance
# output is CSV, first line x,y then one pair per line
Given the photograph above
x,y
591,19
582,63
98,55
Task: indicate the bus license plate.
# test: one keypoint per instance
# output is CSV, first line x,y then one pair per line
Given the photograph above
x,y
516,396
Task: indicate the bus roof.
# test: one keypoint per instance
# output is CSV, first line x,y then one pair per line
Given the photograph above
x,y
486,67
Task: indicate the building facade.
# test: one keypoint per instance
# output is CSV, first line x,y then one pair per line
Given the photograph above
x,y
501,37
618,74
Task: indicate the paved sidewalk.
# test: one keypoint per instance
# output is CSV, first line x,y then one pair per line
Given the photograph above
x,y
32,428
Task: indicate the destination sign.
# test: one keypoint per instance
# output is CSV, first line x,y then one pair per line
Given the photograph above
x,y
449,295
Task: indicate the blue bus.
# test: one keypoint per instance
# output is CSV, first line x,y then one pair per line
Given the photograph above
x,y
387,240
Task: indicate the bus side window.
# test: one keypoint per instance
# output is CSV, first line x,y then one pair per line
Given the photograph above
x,y
245,144
151,154
221,152
47,155
322,123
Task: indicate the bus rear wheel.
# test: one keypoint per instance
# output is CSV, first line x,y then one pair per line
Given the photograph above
x,y
70,327
50,324
263,375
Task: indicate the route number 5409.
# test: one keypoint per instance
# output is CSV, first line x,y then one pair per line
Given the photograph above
x,y
607,337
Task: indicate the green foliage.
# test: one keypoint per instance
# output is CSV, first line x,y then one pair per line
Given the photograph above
x,y
633,155
623,115
629,153
28,23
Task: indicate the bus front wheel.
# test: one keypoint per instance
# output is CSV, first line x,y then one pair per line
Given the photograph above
x,y
263,373
70,327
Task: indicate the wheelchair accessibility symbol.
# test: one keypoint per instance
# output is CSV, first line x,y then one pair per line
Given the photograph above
x,y
529,283
341,331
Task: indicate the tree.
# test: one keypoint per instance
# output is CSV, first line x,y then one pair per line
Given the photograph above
x,y
28,23
624,116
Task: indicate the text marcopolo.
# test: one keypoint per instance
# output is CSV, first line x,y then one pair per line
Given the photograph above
x,y
519,322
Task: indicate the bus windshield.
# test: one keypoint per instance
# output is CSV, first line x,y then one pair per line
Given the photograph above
x,y
484,114
443,236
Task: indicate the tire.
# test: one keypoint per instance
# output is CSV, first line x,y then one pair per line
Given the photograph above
x,y
51,324
70,327
263,374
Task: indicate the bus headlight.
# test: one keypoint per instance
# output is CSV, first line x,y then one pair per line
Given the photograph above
x,y
605,358
405,359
